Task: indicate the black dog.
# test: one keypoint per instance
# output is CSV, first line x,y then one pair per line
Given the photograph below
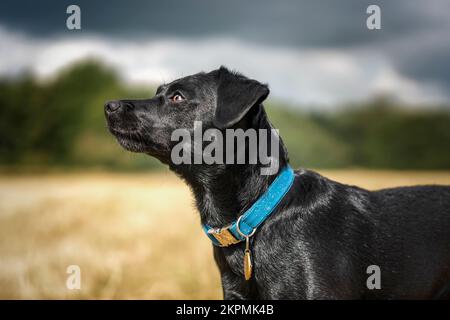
x,y
323,235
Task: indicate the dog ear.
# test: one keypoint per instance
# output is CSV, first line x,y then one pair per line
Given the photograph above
x,y
236,95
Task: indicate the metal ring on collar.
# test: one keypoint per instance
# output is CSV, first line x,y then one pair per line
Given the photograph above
x,y
240,232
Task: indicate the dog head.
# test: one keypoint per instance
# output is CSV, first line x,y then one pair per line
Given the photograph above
x,y
219,99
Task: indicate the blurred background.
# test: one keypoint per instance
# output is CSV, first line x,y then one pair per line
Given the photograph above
x,y
367,107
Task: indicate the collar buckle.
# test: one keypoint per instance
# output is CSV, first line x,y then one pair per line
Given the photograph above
x,y
223,236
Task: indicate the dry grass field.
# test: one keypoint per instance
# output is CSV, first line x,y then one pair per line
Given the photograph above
x,y
134,236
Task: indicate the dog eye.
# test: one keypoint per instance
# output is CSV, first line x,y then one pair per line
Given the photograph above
x,y
177,98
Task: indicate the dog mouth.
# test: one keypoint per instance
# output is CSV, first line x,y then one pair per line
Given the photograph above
x,y
129,139
136,137
135,141
122,132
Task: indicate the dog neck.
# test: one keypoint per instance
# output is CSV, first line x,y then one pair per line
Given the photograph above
x,y
223,192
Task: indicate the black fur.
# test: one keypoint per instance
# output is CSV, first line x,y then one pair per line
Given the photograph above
x,y
323,235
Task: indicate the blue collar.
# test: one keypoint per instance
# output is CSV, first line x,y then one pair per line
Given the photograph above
x,y
245,226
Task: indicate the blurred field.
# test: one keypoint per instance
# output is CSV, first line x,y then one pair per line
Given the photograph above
x,y
135,236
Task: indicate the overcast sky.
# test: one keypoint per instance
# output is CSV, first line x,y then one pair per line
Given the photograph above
x,y
309,52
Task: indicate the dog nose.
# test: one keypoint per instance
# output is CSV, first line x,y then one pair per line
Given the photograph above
x,y
112,106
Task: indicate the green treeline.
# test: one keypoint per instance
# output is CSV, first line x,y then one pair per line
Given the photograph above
x,y
60,123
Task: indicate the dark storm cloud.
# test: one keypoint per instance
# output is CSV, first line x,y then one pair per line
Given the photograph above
x,y
291,22
415,33
427,60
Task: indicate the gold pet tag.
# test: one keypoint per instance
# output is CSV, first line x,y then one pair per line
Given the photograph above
x,y
248,267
